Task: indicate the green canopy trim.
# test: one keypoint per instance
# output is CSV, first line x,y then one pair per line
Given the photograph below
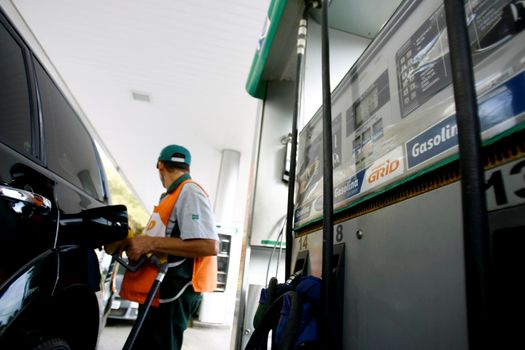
x,y
255,85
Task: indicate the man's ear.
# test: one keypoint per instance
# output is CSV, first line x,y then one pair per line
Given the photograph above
x,y
160,166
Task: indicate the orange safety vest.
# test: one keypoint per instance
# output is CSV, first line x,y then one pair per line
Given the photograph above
x,y
136,286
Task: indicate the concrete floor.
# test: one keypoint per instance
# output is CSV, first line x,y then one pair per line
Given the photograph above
x,y
195,338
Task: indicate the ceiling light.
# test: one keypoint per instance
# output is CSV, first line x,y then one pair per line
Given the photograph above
x,y
139,96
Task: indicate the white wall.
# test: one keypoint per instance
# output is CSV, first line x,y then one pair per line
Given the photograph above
x,y
260,259
270,198
345,49
270,192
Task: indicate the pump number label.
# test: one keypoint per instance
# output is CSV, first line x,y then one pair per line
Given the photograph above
x,y
505,185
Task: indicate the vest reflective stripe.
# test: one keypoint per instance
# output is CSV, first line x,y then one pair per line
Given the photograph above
x,y
176,263
163,301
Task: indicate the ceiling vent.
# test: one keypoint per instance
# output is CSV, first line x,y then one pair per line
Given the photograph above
x,y
139,96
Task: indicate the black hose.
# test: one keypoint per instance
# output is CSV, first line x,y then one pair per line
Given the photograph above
x,y
328,196
475,221
137,326
270,320
301,50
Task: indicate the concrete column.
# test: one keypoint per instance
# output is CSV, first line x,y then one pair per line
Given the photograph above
x,y
224,205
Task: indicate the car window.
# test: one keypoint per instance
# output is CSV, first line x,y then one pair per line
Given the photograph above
x,y
70,151
15,115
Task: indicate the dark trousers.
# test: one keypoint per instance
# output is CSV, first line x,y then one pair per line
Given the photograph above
x,y
164,326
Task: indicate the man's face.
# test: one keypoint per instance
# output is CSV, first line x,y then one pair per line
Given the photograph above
x,y
162,174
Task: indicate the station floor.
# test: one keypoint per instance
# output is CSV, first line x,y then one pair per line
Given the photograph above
x,y
197,337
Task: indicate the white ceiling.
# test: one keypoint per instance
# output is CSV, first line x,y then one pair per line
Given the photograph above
x,y
191,57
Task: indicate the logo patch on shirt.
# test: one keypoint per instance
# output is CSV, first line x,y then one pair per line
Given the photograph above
x,y
194,216
151,225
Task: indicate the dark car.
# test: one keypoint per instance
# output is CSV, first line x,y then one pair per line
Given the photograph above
x,y
55,212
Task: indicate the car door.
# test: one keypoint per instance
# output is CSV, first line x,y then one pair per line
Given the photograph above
x,y
70,153
51,179
27,214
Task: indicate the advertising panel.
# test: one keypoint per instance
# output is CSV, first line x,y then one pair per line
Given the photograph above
x,y
394,111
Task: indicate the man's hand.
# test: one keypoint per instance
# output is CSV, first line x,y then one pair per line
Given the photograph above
x,y
138,246
118,246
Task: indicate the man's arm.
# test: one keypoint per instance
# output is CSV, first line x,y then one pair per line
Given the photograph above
x,y
141,245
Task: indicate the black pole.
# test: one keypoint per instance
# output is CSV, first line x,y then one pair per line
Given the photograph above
x,y
328,196
475,222
301,49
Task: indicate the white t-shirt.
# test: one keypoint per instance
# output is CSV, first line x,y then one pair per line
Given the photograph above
x,y
193,214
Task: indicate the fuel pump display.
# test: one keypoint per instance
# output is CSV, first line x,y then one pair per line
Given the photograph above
x,y
394,110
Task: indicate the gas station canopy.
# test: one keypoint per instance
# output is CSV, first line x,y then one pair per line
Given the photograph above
x,y
273,58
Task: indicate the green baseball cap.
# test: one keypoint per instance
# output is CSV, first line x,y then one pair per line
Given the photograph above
x,y
176,154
